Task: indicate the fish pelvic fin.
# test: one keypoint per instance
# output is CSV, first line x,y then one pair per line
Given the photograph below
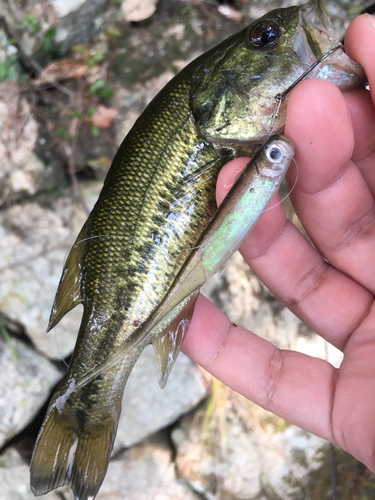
x,y
69,293
66,454
167,344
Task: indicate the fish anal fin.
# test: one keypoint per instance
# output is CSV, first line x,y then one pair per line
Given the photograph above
x,y
66,453
176,320
69,292
167,344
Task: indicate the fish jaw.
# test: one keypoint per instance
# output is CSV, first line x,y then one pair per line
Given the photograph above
x,y
316,37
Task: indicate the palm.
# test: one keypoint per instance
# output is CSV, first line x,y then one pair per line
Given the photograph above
x,y
330,287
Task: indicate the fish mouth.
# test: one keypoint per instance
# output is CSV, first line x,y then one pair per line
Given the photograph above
x,y
314,37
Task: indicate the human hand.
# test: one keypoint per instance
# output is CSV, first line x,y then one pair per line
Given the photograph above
x,y
330,287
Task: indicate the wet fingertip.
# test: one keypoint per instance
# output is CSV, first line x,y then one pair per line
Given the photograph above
x,y
316,108
359,36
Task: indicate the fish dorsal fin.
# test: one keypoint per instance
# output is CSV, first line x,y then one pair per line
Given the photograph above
x,y
69,292
168,343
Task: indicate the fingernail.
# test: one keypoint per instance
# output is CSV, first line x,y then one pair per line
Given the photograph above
x,y
371,19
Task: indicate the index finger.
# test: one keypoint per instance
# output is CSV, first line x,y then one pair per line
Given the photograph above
x,y
360,46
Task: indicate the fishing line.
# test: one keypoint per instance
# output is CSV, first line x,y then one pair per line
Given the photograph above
x,y
281,97
58,349
189,249
99,236
333,471
288,194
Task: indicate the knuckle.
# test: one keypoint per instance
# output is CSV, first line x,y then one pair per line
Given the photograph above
x,y
274,375
360,229
308,284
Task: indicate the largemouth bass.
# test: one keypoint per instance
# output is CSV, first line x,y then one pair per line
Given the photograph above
x,y
156,203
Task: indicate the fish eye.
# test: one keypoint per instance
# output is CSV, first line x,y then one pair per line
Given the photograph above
x,y
275,153
264,35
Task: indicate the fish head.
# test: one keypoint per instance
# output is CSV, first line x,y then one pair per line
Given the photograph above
x,y
236,83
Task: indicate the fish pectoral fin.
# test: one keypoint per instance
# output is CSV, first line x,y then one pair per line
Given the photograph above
x,y
167,344
69,292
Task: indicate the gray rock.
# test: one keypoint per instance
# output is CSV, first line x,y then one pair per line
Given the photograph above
x,y
18,21
168,43
144,472
34,240
75,22
240,452
15,478
79,21
25,386
146,408
22,173
65,7
217,460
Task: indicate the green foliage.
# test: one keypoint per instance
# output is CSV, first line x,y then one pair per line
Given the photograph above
x,y
8,69
48,42
32,22
94,59
94,131
111,32
100,89
75,114
62,132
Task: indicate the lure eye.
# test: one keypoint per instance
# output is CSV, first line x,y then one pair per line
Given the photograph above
x,y
275,153
264,35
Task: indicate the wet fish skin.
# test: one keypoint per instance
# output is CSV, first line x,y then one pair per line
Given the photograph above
x,y
157,201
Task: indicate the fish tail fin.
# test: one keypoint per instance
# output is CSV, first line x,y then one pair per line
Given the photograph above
x,y
68,453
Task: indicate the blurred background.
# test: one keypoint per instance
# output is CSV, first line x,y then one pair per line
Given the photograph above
x,y
74,76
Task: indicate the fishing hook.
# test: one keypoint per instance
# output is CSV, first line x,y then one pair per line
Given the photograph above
x,y
281,97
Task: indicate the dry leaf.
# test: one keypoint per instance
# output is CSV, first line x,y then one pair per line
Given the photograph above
x,y
65,69
103,117
138,10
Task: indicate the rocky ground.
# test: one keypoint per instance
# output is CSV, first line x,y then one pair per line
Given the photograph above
x,y
74,77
